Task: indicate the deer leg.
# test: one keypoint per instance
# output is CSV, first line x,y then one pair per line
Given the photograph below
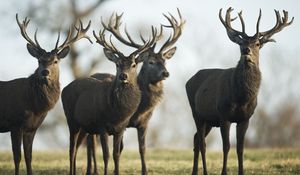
x,y
81,136
225,127
141,137
94,146
241,129
196,154
89,147
121,146
27,145
73,151
199,145
116,151
16,139
105,151
91,154
207,130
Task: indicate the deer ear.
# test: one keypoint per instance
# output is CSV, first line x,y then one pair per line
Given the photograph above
x,y
110,55
33,51
143,56
63,53
169,54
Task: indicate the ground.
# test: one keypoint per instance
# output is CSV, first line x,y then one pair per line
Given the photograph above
x,y
164,162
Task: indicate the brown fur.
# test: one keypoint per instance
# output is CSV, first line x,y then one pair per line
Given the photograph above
x,y
24,105
150,82
101,107
219,97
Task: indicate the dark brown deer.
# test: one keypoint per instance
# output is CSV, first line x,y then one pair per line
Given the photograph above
x,y
150,81
25,102
101,106
219,97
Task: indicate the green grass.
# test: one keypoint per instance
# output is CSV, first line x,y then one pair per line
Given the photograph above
x,y
167,162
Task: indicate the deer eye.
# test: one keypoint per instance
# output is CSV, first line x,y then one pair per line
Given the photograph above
x,y
257,44
133,65
55,62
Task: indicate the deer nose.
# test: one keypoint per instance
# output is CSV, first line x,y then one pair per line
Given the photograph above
x,y
165,74
123,76
247,50
45,72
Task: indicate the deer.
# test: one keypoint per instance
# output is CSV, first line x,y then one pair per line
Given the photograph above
x,y
104,107
150,81
25,102
219,97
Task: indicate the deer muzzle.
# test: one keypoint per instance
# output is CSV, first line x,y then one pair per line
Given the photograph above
x,y
123,78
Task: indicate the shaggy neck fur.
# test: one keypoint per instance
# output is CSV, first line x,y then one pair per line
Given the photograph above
x,y
43,96
246,78
151,92
125,98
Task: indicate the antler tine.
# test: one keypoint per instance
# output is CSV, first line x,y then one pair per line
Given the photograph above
x,y
101,40
258,22
35,38
177,30
112,45
147,44
118,20
114,27
281,22
142,38
23,27
57,41
158,37
242,21
81,33
67,39
131,42
234,35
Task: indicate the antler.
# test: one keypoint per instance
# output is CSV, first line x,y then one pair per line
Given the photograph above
x,y
177,30
234,35
281,22
114,27
101,40
23,27
81,33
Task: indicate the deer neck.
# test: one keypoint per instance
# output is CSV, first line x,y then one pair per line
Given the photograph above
x,y
43,96
151,92
246,79
125,98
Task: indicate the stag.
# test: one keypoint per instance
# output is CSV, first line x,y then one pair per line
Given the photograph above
x,y
105,106
150,81
219,97
25,102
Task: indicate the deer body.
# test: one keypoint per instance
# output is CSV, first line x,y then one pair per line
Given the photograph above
x,y
32,101
225,94
25,102
104,106
219,97
113,103
150,82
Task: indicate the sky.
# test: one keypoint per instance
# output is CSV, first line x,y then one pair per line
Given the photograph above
x,y
203,44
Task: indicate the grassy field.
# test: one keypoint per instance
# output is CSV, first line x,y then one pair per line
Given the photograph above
x,y
164,162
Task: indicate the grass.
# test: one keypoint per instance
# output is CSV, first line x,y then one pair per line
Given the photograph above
x,y
164,162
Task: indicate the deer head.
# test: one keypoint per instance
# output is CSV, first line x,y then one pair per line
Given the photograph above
x,y
48,61
250,45
154,62
126,65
